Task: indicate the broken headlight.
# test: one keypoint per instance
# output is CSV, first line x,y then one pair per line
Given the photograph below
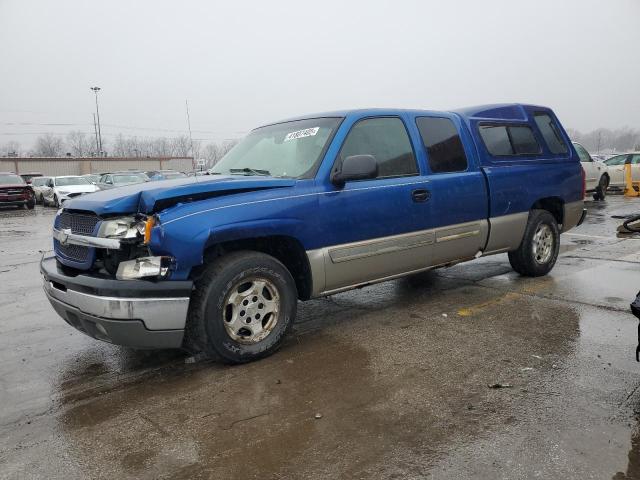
x,y
144,267
124,227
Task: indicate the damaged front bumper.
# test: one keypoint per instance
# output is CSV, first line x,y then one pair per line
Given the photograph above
x,y
133,313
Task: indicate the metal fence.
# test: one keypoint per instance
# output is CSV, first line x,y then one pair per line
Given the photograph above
x,y
80,166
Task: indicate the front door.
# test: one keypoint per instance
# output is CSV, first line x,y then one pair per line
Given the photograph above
x,y
376,228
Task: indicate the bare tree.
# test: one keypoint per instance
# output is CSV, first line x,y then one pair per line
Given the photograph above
x,y
211,153
49,145
181,146
78,143
228,145
605,140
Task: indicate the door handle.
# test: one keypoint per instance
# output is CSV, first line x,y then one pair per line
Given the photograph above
x,y
420,195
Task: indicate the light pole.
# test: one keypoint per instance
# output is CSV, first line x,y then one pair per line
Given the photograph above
x,y
96,90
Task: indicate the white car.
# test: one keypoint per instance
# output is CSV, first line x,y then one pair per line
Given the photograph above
x,y
616,168
39,185
596,173
63,188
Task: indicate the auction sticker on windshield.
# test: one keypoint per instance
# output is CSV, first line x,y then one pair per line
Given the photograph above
x,y
307,132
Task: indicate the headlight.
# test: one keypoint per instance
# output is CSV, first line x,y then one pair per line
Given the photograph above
x,y
127,227
144,267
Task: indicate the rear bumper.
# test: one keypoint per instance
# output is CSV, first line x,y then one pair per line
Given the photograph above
x,y
574,214
141,314
582,217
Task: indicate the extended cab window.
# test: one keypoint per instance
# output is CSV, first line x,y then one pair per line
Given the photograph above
x,y
509,140
550,133
387,140
442,142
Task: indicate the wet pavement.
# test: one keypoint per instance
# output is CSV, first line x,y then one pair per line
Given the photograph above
x,y
398,374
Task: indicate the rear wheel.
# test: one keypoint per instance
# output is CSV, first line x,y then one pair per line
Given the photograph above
x,y
242,307
538,252
601,189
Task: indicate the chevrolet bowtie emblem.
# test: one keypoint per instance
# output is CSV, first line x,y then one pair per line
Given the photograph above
x,y
63,236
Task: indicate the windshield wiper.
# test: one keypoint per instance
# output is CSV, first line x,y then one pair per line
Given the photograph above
x,y
250,171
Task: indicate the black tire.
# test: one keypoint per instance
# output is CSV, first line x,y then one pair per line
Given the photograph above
x,y
532,263
31,204
601,189
56,202
206,330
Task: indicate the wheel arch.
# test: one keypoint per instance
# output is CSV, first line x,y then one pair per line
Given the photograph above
x,y
553,205
285,248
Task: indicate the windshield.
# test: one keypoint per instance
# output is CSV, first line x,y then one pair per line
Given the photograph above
x,y
289,149
10,179
92,178
40,181
129,178
66,181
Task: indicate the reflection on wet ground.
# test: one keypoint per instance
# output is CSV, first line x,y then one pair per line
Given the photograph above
x,y
397,373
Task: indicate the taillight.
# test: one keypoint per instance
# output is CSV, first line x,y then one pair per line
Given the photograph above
x,y
584,183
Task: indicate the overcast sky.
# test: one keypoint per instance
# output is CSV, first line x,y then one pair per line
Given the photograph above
x,y
244,63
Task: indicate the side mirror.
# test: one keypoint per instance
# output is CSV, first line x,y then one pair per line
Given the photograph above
x,y
355,167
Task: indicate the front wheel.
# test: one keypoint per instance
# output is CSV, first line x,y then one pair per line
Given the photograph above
x,y
56,202
538,252
243,305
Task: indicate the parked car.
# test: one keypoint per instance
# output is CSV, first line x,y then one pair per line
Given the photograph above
x,y
164,174
121,179
28,176
39,185
306,208
92,177
596,173
60,189
616,168
15,192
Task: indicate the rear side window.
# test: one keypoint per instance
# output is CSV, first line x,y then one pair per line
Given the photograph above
x,y
442,142
550,133
509,140
387,140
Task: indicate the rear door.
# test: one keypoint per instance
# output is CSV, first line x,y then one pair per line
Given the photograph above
x,y
458,206
616,170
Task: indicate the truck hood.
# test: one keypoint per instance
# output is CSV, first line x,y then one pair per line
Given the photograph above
x,y
155,196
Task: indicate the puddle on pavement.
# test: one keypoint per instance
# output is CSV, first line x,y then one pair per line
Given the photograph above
x,y
390,398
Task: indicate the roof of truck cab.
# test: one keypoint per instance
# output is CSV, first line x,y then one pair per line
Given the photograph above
x,y
497,111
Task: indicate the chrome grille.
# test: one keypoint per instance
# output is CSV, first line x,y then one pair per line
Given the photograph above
x,y
77,253
78,223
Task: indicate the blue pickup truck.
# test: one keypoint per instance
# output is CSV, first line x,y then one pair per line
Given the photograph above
x,y
309,207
